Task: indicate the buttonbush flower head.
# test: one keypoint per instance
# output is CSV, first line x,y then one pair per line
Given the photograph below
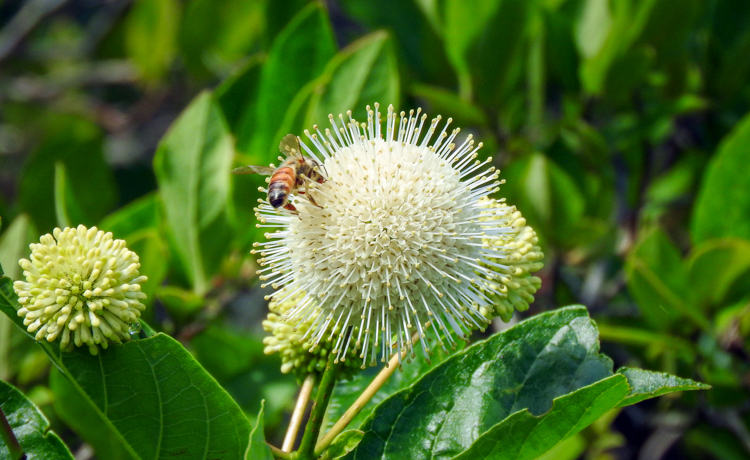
x,y
82,286
403,239
519,252
298,354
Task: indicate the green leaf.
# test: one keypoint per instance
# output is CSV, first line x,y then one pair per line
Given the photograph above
x,y
525,436
74,409
151,36
258,449
363,73
714,267
192,165
138,215
525,367
343,444
515,395
298,55
30,427
657,279
152,394
647,384
237,96
723,202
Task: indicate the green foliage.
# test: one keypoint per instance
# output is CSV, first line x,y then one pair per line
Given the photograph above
x,y
621,128
191,165
143,418
723,204
515,395
30,427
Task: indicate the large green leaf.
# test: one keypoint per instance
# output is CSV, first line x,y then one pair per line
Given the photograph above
x,y
30,428
74,409
525,367
363,73
298,55
192,165
523,436
647,384
154,398
524,390
723,204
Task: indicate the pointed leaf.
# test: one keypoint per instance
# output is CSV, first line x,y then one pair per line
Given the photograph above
x,y
647,384
525,367
298,55
192,165
363,73
30,427
524,436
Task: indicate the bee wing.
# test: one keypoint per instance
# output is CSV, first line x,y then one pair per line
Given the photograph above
x,y
264,170
290,147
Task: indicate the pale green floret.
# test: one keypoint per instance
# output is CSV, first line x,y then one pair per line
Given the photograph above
x,y
522,257
298,354
82,286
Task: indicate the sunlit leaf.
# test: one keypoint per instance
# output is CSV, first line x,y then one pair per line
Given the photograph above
x,y
192,165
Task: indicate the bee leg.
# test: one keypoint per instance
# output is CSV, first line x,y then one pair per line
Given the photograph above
x,y
310,198
290,207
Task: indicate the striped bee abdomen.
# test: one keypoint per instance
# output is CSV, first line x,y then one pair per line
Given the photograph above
x,y
280,185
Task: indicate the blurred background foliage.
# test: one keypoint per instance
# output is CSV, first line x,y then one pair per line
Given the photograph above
x,y
620,126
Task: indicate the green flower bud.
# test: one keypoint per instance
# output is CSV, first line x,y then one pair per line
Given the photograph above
x,y
82,286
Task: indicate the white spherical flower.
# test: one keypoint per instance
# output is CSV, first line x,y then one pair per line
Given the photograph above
x,y
82,286
400,241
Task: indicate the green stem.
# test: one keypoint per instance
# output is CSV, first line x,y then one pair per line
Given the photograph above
x,y
325,390
278,453
6,434
374,386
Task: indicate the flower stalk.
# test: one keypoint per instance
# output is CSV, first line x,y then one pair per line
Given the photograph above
x,y
325,391
364,398
299,412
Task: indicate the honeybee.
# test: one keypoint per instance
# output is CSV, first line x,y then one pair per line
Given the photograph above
x,y
295,172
